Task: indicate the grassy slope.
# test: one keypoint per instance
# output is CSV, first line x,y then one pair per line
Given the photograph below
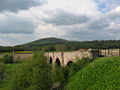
x,y
52,41
46,41
102,74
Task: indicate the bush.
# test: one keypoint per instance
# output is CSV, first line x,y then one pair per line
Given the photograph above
x,y
33,75
102,74
58,74
2,72
8,58
75,67
58,78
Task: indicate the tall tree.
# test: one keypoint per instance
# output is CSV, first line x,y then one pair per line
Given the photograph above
x,y
33,75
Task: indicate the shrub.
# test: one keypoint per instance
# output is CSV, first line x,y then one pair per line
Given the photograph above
x,y
2,72
8,58
102,74
75,67
58,78
58,74
33,75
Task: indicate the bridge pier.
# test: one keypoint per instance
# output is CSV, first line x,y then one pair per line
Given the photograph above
x,y
62,54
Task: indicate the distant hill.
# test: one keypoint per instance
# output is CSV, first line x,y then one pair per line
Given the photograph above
x,y
49,44
74,45
47,41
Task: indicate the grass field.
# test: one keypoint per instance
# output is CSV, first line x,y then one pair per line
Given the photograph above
x,y
20,52
102,74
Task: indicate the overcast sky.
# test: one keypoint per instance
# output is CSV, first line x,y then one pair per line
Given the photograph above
x,y
22,21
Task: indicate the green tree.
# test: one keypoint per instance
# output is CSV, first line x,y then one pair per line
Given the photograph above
x,y
33,75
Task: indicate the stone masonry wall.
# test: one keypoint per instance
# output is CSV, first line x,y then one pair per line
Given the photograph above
x,y
65,57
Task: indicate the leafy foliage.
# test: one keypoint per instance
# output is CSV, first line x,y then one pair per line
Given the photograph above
x,y
62,74
58,78
8,58
2,72
102,74
58,75
77,66
33,75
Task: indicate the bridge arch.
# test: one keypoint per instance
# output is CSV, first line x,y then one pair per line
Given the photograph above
x,y
57,62
50,60
69,63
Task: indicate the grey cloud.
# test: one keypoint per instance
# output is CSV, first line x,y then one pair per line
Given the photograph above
x,y
84,34
65,18
97,29
18,25
112,15
104,22
16,5
99,24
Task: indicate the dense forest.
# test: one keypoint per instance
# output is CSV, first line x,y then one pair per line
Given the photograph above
x,y
57,44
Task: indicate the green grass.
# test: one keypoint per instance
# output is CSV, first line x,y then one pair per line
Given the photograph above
x,y
24,51
102,74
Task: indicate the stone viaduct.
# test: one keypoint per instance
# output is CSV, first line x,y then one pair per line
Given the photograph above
x,y
65,58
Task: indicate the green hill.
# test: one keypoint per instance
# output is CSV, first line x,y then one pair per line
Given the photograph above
x,y
46,41
102,74
71,45
48,44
